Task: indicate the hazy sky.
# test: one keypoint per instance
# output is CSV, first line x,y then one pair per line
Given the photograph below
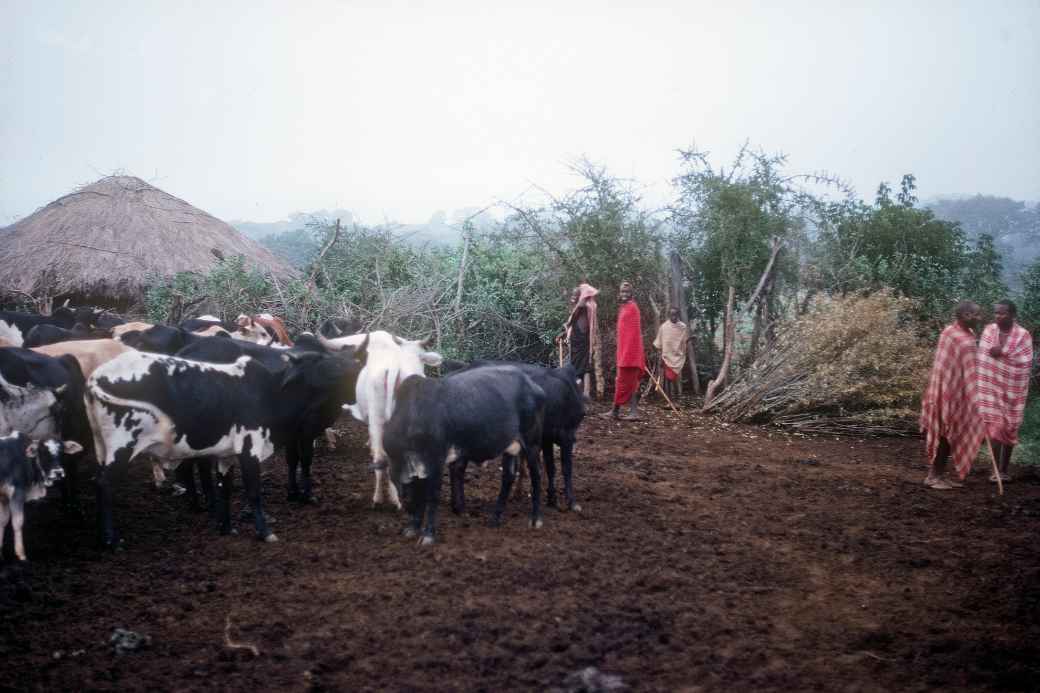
x,y
252,110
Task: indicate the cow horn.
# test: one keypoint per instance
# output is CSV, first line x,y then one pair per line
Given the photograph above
x,y
427,343
66,304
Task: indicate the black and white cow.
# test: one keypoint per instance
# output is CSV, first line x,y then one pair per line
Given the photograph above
x,y
311,419
42,335
176,408
474,416
14,326
27,468
42,397
564,412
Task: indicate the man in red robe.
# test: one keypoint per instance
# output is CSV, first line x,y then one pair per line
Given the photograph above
x,y
950,417
631,359
1004,363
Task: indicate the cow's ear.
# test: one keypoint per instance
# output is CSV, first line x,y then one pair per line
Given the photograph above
x,y
431,358
32,449
361,351
427,343
71,447
60,390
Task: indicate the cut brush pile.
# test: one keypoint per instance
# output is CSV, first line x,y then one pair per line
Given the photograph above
x,y
855,366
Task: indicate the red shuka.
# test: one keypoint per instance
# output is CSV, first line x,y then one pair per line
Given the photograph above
x,y
1004,382
631,359
950,406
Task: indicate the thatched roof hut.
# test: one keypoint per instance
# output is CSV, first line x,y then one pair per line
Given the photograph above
x,y
105,242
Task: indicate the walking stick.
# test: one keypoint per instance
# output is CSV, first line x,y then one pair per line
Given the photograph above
x,y
559,344
996,469
660,389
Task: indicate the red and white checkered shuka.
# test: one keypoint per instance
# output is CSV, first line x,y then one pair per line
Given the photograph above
x,y
1004,382
950,407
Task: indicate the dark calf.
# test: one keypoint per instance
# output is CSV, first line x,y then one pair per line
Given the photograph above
x,y
564,412
473,416
27,468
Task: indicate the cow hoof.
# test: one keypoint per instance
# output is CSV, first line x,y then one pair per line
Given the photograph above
x,y
495,522
551,502
271,538
293,496
228,532
536,523
427,540
410,532
576,507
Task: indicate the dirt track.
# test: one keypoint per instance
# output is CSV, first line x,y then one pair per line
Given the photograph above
x,y
706,558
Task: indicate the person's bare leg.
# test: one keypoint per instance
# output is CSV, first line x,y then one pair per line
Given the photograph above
x,y
938,469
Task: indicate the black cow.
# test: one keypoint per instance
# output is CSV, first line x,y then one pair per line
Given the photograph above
x,y
564,412
475,415
176,408
14,326
27,468
161,339
311,419
340,327
52,334
42,396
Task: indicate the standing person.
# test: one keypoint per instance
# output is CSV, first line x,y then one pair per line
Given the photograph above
x,y
671,340
1004,363
950,416
631,359
582,331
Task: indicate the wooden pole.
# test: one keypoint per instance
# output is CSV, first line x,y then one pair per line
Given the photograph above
x,y
660,389
996,469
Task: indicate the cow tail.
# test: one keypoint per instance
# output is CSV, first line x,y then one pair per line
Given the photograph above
x,y
74,423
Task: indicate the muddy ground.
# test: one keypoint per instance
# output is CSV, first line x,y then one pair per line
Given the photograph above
x,y
705,558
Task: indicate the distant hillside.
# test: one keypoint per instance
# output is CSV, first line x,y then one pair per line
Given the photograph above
x,y
1014,225
294,240
296,221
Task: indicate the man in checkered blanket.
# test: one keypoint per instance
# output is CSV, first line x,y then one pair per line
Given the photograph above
x,y
1004,363
950,416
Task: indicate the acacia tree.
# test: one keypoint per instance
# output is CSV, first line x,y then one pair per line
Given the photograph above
x,y
733,227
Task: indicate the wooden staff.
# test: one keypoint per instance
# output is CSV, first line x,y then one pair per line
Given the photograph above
x,y
559,344
996,469
660,389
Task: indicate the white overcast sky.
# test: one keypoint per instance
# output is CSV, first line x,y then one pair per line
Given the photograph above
x,y
252,110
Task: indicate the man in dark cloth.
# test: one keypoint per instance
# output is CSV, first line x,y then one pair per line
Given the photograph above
x,y
631,358
950,416
582,331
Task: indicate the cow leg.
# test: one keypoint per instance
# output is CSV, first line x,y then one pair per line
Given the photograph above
x,y
70,487
457,473
509,463
205,467
433,504
550,473
306,457
379,462
103,494
186,477
17,522
534,466
567,466
415,494
5,515
292,460
251,481
225,481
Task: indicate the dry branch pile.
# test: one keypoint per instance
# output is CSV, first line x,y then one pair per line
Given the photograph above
x,y
854,365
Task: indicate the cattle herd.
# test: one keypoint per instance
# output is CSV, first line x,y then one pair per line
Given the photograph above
x,y
83,384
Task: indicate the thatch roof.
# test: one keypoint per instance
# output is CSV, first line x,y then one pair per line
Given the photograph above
x,y
113,237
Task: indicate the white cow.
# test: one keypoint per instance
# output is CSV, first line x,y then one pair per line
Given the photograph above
x,y
390,360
